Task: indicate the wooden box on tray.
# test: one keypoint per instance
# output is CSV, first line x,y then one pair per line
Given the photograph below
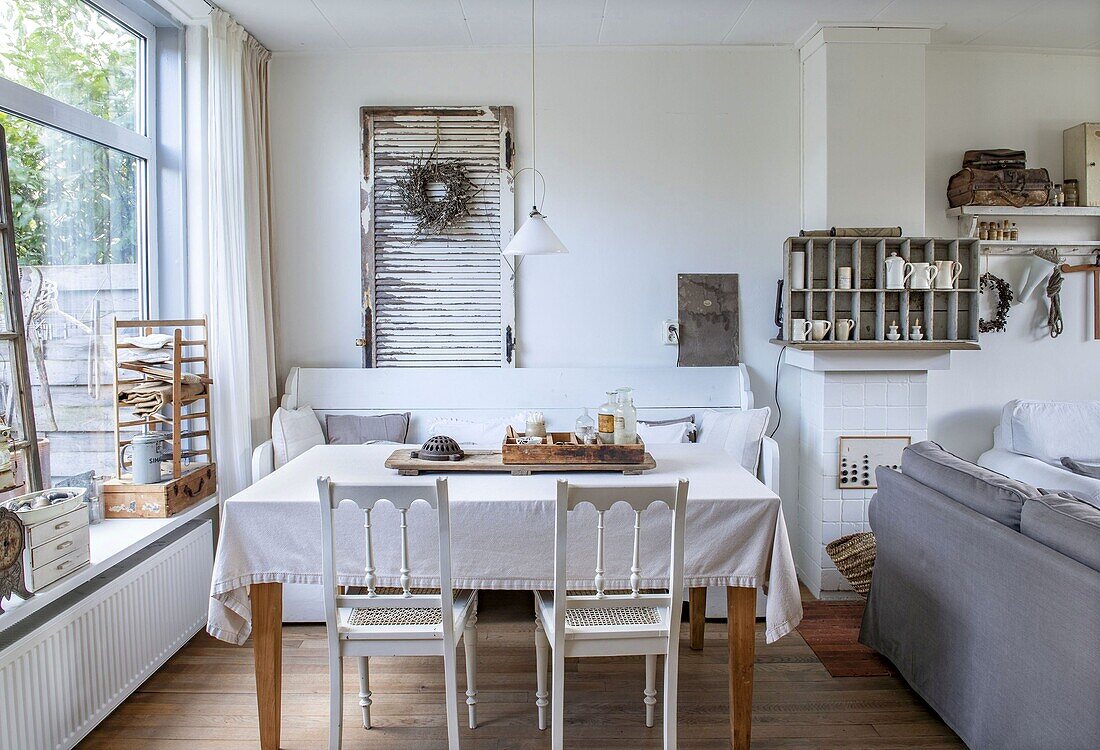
x,y
122,499
564,448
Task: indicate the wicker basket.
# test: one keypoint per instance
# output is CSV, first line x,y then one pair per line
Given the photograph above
x,y
854,556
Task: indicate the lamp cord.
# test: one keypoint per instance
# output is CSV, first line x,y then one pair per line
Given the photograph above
x,y
534,151
778,406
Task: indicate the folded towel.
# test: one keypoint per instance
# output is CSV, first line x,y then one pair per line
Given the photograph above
x,y
150,396
151,341
146,356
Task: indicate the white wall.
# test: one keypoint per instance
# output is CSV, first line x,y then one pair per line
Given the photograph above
x,y
659,161
1010,100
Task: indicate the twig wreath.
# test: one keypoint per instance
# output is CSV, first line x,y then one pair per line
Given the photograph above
x,y
436,215
1004,298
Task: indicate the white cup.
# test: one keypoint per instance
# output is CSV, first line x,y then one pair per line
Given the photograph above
x,y
923,274
947,273
844,277
843,328
798,269
819,329
800,329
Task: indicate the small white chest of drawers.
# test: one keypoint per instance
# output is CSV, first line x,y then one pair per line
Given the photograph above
x,y
56,548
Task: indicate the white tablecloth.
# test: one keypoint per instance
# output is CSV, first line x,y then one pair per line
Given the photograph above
x,y
502,532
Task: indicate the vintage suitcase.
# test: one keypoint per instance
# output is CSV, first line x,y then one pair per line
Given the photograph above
x,y
994,158
1002,187
122,499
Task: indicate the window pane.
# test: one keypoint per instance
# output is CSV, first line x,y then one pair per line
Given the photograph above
x,y
78,217
70,51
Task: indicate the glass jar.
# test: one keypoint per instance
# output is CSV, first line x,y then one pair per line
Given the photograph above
x,y
585,428
626,419
1056,195
605,416
1070,191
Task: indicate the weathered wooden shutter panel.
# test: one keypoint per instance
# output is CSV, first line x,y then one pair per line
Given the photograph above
x,y
437,300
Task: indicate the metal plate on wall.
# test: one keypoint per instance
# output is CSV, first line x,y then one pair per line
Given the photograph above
x,y
710,321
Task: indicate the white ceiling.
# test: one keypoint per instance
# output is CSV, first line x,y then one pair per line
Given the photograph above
x,y
285,25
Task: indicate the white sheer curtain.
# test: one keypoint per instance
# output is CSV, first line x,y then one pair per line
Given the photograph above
x,y
242,347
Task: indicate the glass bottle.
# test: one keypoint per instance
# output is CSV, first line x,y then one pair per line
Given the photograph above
x,y
1056,195
1069,192
605,426
585,428
626,419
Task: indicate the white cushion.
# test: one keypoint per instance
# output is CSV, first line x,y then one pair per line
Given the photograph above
x,y
656,434
1051,430
738,432
293,432
469,432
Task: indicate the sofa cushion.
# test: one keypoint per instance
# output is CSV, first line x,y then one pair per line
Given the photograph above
x,y
1066,524
355,429
293,432
470,432
983,491
738,432
657,431
1052,430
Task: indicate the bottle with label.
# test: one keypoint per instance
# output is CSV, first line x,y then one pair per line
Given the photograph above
x,y
605,419
626,419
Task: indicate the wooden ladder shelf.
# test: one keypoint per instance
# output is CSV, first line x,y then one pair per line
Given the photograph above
x,y
1094,269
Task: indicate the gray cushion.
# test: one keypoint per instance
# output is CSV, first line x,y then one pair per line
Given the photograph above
x,y
352,429
983,491
692,434
1065,524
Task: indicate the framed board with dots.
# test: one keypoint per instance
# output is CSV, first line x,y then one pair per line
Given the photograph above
x,y
861,455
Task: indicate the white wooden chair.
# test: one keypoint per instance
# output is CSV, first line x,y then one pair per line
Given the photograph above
x,y
604,624
375,622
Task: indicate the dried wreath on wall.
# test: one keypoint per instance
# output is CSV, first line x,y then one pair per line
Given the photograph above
x,y
1004,299
435,215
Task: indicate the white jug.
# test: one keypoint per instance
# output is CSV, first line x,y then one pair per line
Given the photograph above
x,y
897,271
923,275
948,273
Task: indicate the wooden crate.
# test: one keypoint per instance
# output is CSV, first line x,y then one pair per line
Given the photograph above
x,y
125,500
566,449
491,462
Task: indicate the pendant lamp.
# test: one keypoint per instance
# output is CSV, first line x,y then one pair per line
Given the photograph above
x,y
535,237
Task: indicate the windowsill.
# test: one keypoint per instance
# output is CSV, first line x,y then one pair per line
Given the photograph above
x,y
112,541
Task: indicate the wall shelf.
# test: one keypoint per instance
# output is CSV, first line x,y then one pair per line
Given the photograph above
x,y
1008,211
948,317
879,346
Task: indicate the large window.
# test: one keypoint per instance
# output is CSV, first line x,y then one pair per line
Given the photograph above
x,y
74,101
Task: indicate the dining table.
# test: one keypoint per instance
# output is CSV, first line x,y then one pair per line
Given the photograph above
x,y
502,537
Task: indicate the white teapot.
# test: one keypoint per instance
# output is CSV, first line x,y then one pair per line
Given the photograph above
x,y
897,271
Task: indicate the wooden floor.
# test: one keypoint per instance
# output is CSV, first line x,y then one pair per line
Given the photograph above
x,y
203,699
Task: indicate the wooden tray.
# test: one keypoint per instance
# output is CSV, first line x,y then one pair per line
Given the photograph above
x,y
493,461
566,449
122,499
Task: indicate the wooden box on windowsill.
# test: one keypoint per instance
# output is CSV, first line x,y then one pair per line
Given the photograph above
x,y
564,448
122,499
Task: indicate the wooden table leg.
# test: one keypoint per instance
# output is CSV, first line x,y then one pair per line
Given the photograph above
x,y
697,616
741,625
267,648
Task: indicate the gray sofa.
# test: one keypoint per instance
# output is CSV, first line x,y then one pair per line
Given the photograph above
x,y
986,597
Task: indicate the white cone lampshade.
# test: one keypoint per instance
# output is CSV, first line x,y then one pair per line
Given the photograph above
x,y
535,237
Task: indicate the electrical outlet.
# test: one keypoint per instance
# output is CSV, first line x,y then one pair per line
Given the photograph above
x,y
670,333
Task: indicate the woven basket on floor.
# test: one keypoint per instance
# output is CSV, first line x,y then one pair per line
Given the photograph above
x,y
854,556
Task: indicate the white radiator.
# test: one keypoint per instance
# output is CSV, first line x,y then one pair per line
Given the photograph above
x,y
62,678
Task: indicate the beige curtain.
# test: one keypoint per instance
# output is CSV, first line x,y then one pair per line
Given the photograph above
x,y
242,345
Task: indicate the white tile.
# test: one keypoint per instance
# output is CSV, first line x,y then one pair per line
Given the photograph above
x,y
918,417
852,419
852,511
874,417
897,394
849,528
897,418
830,532
834,394
830,510
874,394
834,417
918,377
897,377
918,394
853,394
